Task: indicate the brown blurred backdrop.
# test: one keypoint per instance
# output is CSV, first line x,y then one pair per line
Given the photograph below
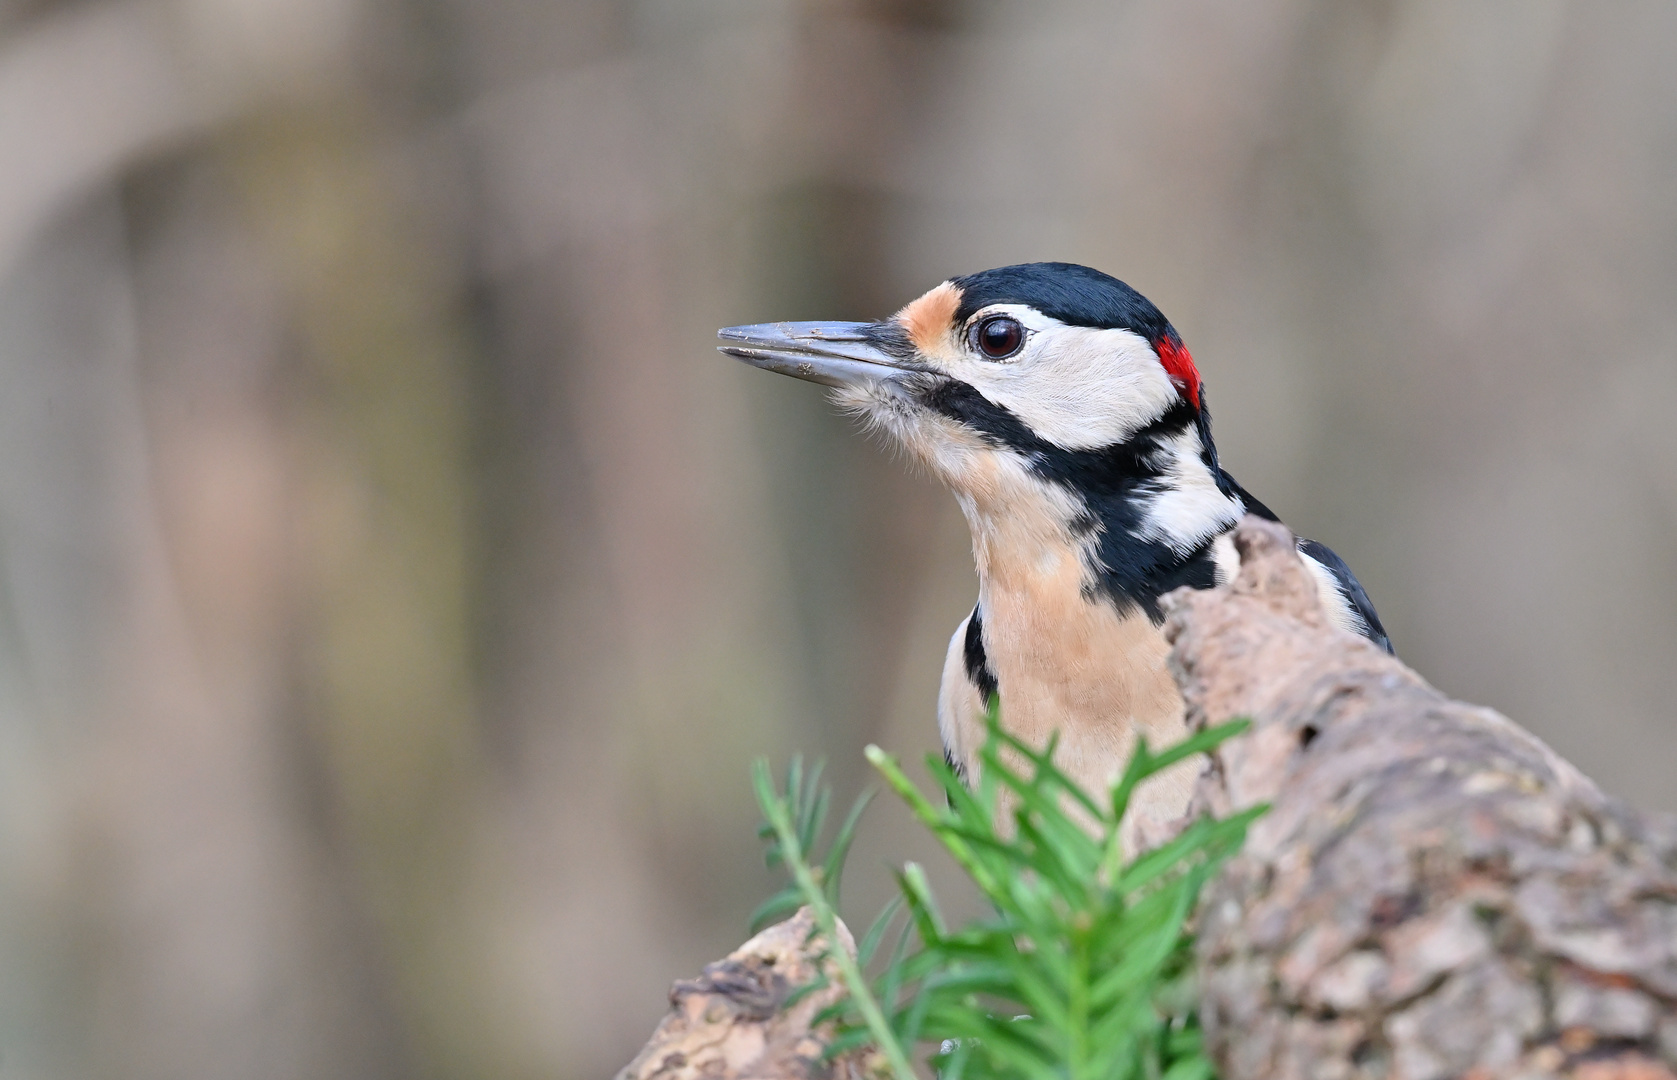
x,y
395,584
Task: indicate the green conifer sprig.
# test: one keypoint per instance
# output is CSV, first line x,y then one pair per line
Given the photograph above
x,y
1084,968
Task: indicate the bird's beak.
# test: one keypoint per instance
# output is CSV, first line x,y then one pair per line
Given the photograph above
x,y
830,353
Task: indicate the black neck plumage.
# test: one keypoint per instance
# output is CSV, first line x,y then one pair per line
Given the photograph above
x,y
1132,564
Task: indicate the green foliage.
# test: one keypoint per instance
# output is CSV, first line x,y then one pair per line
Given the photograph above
x,y
1083,970
806,802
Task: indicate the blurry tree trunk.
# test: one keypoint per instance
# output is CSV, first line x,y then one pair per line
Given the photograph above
x,y
384,526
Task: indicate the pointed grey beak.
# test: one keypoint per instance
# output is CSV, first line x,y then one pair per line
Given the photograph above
x,y
830,353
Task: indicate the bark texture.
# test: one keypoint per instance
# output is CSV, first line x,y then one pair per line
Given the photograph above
x,y
733,1023
1434,892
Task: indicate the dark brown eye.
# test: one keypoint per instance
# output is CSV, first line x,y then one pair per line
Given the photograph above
x,y
998,337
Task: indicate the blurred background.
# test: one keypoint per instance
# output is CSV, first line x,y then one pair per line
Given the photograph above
x,y
395,585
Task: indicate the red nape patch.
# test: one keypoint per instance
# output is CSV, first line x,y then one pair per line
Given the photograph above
x,y
1180,367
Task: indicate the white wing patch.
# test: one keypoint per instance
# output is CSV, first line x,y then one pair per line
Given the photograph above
x,y
1339,609
1225,557
960,712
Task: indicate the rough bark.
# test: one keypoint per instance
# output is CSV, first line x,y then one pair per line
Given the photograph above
x,y
732,1022
1434,892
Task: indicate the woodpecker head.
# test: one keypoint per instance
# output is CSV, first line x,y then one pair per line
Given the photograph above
x,y
1056,402
1028,362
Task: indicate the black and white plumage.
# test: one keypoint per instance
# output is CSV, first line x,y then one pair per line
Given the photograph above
x,y
1067,417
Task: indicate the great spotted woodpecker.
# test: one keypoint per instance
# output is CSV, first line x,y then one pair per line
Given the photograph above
x,y
1067,417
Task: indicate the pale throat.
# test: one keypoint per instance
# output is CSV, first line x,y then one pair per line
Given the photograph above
x,y
1065,657
1034,569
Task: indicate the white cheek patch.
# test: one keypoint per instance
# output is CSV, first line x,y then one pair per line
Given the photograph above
x,y
1185,505
1077,387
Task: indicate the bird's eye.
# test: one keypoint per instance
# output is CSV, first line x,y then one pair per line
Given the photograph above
x,y
998,337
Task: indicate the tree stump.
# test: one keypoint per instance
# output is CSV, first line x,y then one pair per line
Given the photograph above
x,y
732,1022
1434,893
